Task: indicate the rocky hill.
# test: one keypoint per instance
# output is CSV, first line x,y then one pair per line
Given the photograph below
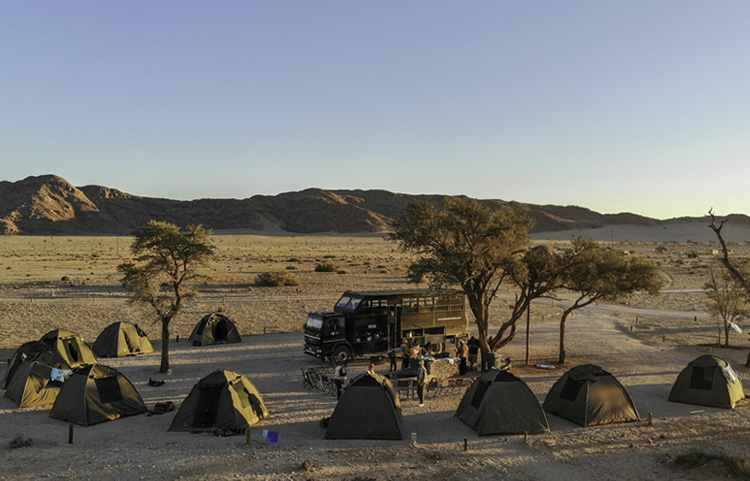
x,y
48,205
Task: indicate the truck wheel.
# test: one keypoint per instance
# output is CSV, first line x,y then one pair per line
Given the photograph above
x,y
342,353
437,347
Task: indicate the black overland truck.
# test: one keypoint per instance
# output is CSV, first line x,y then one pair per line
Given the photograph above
x,y
364,323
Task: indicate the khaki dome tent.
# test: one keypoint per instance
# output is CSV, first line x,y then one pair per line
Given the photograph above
x,y
121,339
32,384
588,395
500,403
94,394
708,381
28,350
70,346
214,329
223,400
369,408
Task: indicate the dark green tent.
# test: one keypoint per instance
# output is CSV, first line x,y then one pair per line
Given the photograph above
x,y
224,400
94,394
121,339
28,350
70,346
33,384
500,403
369,408
708,381
588,395
214,329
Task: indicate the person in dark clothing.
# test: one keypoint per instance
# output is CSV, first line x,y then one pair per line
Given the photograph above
x,y
473,350
392,356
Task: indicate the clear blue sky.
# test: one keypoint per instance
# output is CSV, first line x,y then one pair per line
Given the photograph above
x,y
637,106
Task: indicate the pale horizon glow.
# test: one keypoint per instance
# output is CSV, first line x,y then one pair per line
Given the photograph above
x,y
616,107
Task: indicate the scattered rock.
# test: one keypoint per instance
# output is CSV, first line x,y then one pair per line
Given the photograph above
x,y
20,442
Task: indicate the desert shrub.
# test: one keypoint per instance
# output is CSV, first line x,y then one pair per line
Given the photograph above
x,y
291,268
293,259
276,279
326,267
736,464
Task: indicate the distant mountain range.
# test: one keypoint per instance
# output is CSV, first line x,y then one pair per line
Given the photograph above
x,y
50,205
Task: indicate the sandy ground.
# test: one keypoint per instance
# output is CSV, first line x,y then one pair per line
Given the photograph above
x,y
644,343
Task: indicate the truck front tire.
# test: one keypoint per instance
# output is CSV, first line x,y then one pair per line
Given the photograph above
x,y
342,353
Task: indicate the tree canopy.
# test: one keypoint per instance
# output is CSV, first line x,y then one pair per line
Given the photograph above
x,y
167,259
467,244
595,273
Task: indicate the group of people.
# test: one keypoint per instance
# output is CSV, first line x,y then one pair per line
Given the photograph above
x,y
467,354
412,354
409,353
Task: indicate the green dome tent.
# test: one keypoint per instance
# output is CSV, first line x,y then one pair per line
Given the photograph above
x,y
94,394
500,403
588,395
214,329
224,400
70,346
28,350
121,339
32,384
369,408
708,381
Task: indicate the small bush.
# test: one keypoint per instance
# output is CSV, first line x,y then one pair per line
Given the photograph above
x,y
276,279
739,465
326,267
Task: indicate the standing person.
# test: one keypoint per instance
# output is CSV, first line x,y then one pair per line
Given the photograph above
x,y
339,378
473,351
421,382
463,352
415,351
405,355
392,356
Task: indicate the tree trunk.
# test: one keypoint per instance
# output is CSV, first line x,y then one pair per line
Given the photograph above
x,y
164,346
561,355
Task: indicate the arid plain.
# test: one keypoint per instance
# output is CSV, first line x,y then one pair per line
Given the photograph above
x,y
72,283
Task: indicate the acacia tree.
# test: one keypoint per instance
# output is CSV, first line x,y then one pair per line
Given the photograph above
x,y
740,271
167,259
594,273
469,245
726,299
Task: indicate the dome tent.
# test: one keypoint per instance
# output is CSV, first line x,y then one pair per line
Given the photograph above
x,y
214,329
500,403
27,351
369,408
94,394
121,339
708,381
70,346
588,395
32,384
224,400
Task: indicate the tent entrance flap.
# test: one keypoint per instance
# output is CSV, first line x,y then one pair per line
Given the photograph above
x,y
208,406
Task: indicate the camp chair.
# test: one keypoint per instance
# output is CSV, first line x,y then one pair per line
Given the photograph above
x,y
438,387
405,388
306,380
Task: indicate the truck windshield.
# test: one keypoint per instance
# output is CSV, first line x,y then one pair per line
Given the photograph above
x,y
314,322
347,302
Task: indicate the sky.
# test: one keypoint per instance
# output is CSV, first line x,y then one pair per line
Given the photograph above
x,y
640,106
